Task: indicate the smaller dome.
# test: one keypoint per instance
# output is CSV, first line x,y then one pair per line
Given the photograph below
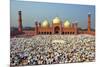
x,y
45,23
66,24
56,20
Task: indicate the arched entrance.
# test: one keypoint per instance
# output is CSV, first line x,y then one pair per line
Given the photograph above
x,y
56,30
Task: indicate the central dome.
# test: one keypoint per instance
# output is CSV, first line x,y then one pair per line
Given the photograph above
x,y
56,20
45,23
66,24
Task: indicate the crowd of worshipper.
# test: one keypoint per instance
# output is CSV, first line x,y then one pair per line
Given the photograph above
x,y
52,49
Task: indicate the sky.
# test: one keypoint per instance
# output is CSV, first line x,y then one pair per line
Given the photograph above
x,y
39,11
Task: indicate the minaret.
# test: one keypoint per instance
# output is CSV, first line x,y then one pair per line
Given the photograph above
x,y
39,28
89,22
52,28
39,25
75,26
19,22
61,28
36,27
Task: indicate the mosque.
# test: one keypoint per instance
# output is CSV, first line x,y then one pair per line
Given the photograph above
x,y
56,27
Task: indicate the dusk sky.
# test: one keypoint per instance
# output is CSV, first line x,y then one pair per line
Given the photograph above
x,y
39,11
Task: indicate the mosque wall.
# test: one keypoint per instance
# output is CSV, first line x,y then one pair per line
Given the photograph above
x,y
42,30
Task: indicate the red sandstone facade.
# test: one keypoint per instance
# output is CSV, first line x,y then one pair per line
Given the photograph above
x,y
55,28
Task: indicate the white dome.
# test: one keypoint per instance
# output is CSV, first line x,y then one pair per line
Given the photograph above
x,y
45,23
56,20
66,24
